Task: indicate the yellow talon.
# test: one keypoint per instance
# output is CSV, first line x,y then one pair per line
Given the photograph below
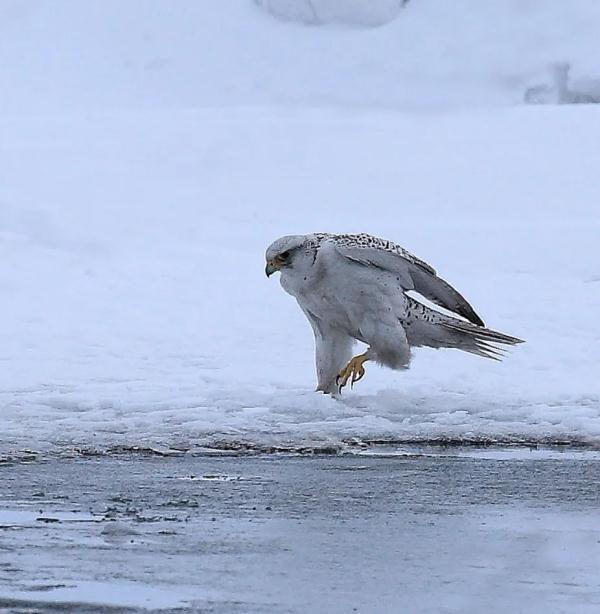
x,y
353,371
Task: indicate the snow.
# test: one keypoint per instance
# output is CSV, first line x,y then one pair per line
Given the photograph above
x,y
62,55
136,204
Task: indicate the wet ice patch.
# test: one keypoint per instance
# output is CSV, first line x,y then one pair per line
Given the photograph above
x,y
118,529
87,593
212,478
27,518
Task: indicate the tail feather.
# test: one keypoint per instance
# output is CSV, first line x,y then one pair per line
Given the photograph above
x,y
485,334
426,327
481,341
490,351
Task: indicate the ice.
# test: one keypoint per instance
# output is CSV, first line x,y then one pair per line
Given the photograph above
x,y
136,204
419,533
101,594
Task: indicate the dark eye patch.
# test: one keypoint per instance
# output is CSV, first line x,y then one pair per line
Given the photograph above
x,y
284,255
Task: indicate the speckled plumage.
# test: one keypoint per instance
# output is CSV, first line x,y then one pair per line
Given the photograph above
x,y
354,287
366,241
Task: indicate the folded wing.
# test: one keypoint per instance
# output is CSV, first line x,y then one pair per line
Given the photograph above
x,y
412,273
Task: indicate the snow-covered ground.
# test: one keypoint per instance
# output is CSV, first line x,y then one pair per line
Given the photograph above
x,y
145,168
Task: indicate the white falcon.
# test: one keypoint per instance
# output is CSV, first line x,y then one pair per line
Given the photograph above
x,y
354,287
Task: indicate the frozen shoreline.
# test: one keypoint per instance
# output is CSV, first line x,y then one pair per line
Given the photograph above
x,y
516,450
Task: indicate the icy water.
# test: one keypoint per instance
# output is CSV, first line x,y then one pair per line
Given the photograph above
x,y
411,530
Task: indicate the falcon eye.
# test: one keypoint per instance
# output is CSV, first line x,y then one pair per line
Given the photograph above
x,y
284,255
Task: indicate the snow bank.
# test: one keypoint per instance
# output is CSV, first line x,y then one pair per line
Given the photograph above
x,y
137,312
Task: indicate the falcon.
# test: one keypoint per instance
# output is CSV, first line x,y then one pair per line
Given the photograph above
x,y
355,287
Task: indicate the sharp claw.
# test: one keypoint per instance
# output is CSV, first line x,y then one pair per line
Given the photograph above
x,y
353,372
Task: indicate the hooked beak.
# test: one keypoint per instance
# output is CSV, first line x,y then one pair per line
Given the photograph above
x,y
271,267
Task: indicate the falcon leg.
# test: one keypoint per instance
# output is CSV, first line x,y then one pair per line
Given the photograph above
x,y
353,371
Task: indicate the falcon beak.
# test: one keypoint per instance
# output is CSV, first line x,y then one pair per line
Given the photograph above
x,y
271,267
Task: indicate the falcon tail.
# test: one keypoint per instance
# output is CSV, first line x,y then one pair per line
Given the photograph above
x,y
426,327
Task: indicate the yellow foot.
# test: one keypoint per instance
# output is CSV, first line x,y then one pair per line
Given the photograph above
x,y
353,371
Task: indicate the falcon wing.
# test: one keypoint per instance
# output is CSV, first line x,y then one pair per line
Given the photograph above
x,y
412,273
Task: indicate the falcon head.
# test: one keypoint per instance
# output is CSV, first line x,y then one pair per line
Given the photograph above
x,y
280,253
